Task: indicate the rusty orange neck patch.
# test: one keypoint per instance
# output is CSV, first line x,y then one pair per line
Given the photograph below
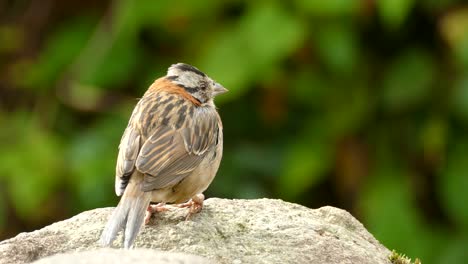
x,y
163,84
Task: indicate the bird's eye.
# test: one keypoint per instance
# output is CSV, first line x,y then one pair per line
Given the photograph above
x,y
203,85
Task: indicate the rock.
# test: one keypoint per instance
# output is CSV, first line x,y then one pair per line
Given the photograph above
x,y
226,231
123,256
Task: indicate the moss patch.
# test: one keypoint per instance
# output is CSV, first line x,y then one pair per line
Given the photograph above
x,y
397,258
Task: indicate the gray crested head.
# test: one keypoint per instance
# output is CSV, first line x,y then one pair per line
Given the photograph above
x,y
195,82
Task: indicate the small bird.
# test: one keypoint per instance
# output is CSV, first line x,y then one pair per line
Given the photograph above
x,y
169,152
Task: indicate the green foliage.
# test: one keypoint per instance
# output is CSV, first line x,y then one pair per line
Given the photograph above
x,y
307,161
328,8
357,104
460,99
31,165
235,45
387,202
453,181
408,80
394,12
337,47
397,258
454,252
59,51
91,157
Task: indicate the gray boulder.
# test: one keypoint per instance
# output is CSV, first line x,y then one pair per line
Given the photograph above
x,y
226,231
124,256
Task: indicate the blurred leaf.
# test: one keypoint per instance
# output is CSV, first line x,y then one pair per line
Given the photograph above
x,y
308,88
345,104
257,158
438,5
238,180
394,12
245,168
131,16
337,46
347,108
309,156
408,80
11,39
3,213
394,220
454,28
225,56
228,180
434,137
459,99
60,50
328,8
92,161
224,60
31,161
461,52
251,190
389,207
453,182
255,30
110,64
454,251
83,97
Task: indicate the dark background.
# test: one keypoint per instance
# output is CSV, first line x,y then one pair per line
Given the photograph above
x,y
361,105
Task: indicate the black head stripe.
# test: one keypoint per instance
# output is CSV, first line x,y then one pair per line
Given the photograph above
x,y
172,77
190,90
186,67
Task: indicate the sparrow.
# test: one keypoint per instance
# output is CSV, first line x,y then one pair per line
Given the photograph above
x,y
169,152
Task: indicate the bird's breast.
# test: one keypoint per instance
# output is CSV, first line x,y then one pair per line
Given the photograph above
x,y
197,182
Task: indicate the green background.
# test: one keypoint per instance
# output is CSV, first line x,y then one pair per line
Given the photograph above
x,y
358,104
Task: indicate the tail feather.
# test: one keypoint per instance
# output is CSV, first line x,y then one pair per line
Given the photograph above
x,y
128,215
135,218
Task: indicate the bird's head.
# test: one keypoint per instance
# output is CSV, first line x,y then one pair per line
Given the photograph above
x,y
195,82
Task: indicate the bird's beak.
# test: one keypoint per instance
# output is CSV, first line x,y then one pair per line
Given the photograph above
x,y
219,89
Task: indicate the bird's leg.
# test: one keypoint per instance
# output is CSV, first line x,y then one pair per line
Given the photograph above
x,y
195,205
154,208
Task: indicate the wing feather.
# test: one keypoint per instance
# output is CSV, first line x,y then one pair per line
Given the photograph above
x,y
128,153
169,155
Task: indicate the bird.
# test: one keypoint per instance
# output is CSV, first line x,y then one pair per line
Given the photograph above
x,y
169,153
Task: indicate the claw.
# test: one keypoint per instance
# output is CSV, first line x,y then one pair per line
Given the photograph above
x,y
195,205
154,208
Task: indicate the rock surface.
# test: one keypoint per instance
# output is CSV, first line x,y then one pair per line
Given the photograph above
x,y
226,231
123,256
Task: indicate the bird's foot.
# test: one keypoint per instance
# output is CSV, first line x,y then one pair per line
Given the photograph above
x,y
154,208
194,205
